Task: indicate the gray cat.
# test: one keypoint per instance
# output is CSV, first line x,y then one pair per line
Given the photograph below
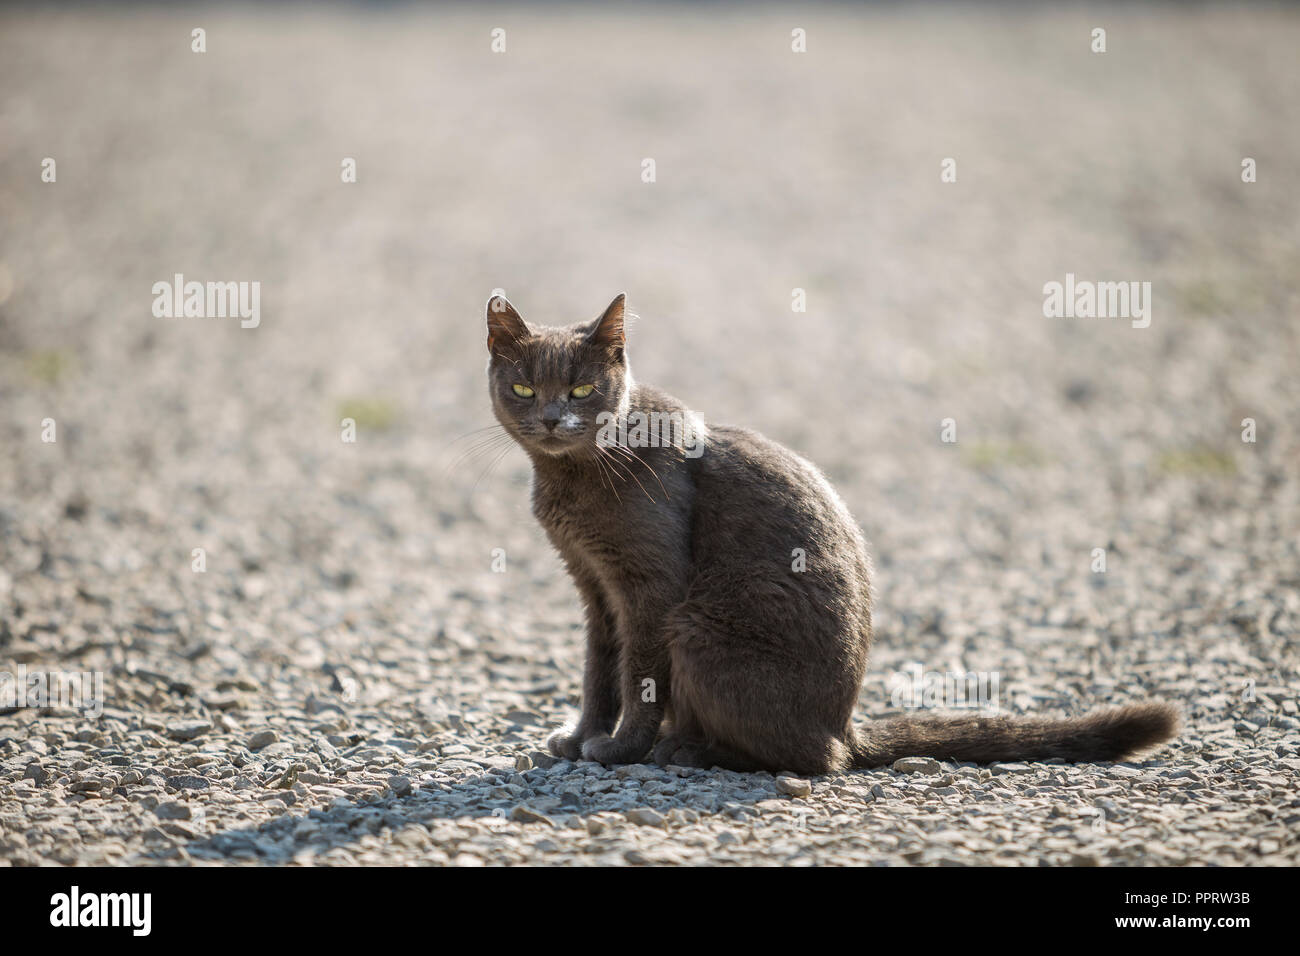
x,y
704,646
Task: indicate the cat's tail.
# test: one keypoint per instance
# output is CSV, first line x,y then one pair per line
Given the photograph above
x,y
1102,735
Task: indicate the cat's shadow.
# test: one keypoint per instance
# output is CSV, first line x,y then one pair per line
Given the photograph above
x,y
699,794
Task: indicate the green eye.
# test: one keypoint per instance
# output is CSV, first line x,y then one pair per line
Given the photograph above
x,y
523,391
582,391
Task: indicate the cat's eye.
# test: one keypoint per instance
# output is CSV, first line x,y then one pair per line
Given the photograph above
x,y
582,391
523,391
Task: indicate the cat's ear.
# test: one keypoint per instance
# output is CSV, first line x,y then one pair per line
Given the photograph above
x,y
505,326
608,330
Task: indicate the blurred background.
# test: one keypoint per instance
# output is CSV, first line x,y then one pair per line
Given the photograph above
x,y
522,170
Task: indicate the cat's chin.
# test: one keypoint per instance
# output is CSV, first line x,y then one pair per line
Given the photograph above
x,y
557,447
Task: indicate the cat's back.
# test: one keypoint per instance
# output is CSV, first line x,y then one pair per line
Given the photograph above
x,y
756,493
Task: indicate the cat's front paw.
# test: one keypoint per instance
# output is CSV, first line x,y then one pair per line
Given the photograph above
x,y
565,743
606,749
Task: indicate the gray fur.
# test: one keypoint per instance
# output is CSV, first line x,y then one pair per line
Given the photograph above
x,y
704,646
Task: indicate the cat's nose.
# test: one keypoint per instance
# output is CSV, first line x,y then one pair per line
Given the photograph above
x,y
552,414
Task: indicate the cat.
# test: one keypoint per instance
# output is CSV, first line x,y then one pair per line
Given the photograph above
x,y
705,647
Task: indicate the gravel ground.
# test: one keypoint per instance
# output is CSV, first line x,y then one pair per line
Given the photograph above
x,y
349,681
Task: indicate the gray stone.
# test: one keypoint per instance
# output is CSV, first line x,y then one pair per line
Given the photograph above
x,y
262,739
188,729
543,761
1001,769
645,817
917,765
794,786
172,811
526,814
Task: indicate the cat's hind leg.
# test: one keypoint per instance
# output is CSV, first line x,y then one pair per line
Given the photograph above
x,y
754,707
678,751
684,743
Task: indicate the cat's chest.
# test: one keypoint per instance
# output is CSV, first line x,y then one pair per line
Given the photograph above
x,y
576,518
585,519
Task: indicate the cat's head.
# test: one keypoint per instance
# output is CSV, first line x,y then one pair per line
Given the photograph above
x,y
549,387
